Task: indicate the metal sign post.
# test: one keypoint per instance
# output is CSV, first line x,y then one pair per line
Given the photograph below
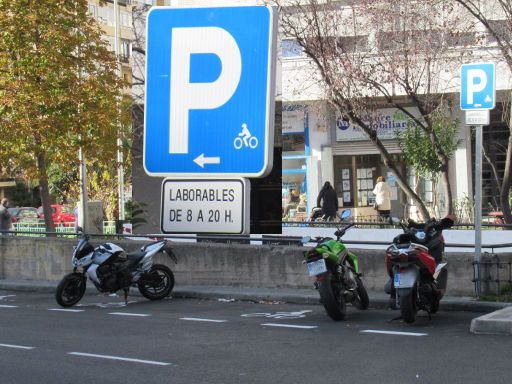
x,y
477,97
478,206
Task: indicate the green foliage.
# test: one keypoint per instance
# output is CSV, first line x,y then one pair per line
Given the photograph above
x,y
417,148
59,89
62,182
58,86
21,196
135,212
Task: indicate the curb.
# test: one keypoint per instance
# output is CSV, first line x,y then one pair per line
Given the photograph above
x,y
378,300
496,323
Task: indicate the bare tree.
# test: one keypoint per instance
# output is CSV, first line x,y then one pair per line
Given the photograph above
x,y
376,54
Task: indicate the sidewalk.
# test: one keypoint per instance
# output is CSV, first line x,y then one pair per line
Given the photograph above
x,y
498,318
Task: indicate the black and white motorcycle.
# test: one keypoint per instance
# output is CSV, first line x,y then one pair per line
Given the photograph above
x,y
111,269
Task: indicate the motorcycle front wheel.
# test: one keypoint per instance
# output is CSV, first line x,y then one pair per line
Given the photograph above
x,y
332,298
362,301
408,305
157,283
70,289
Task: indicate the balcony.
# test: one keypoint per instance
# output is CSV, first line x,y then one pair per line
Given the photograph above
x,y
120,2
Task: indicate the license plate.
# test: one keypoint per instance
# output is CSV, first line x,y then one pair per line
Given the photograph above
x,y
317,267
405,279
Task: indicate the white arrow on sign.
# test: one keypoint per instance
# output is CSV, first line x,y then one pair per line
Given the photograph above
x,y
201,160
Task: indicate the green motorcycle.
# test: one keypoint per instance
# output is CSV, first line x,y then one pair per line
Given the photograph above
x,y
337,274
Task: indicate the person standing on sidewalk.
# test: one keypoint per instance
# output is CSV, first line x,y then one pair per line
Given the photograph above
x,y
330,201
382,194
5,217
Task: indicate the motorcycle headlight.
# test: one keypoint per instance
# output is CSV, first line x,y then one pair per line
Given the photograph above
x,y
420,236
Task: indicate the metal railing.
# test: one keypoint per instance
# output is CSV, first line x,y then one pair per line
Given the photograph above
x,y
39,229
492,277
364,223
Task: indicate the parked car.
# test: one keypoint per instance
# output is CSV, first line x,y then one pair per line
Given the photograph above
x,y
24,215
61,214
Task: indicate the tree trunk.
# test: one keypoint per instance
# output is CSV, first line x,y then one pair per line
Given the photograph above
x,y
45,194
402,183
447,188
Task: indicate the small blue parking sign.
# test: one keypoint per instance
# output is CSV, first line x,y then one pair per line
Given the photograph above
x,y
477,86
210,91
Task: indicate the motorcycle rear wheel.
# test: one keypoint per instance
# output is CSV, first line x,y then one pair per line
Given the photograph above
x,y
332,298
362,301
408,306
157,283
70,289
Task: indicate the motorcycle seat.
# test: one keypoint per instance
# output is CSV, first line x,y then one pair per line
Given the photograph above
x,y
134,257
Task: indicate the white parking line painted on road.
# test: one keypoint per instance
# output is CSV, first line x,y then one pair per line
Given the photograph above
x,y
200,319
5,296
66,310
129,314
394,333
8,306
118,358
290,326
16,346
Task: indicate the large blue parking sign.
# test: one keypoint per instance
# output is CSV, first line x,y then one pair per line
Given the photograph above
x,y
209,91
477,86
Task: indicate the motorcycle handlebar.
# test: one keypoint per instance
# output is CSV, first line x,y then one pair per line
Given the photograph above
x,y
445,223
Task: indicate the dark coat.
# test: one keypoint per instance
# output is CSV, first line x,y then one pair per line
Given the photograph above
x,y
5,218
330,201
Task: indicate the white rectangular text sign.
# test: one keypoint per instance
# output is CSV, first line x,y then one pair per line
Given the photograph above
x,y
205,206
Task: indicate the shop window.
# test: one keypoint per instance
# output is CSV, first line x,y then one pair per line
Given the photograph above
x,y
343,180
366,173
294,143
423,186
354,179
365,185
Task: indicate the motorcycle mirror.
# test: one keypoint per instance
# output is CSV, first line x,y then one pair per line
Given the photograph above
x,y
345,214
395,220
306,239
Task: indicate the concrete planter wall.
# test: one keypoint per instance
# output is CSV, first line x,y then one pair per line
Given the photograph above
x,y
214,264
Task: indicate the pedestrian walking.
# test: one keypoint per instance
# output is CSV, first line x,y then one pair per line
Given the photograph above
x,y
5,217
382,194
329,200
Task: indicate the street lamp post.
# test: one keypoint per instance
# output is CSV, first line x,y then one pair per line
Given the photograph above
x,y
120,168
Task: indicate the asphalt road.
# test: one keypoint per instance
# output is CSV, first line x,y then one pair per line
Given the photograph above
x,y
209,341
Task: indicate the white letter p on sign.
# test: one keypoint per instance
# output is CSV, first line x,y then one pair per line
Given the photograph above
x,y
186,95
474,74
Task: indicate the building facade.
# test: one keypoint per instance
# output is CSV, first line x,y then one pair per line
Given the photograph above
x,y
319,145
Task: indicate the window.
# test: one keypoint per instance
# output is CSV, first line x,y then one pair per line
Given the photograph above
x,y
462,39
351,44
126,19
423,186
291,48
391,41
93,10
502,28
354,179
125,50
294,143
106,16
365,196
